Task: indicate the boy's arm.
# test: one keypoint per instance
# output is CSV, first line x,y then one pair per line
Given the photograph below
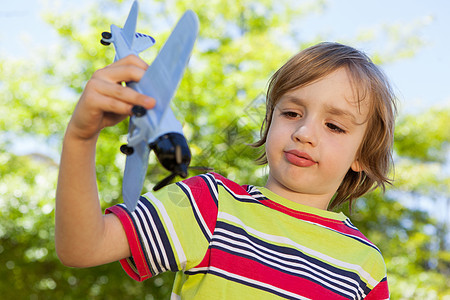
x,y
83,235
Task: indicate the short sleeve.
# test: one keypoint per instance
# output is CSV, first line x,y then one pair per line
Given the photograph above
x,y
170,229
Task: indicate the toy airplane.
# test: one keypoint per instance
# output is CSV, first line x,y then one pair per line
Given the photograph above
x,y
155,129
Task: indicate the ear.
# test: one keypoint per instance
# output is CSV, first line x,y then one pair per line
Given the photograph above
x,y
356,166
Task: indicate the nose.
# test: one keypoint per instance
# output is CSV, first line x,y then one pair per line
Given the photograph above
x,y
306,132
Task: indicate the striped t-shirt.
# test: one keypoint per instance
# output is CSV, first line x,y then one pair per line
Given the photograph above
x,y
228,241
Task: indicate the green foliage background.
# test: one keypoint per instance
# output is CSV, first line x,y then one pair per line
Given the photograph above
x,y
221,103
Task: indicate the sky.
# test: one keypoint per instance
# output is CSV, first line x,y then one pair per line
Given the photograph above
x,y
420,81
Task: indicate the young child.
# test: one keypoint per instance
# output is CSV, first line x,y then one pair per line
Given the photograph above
x,y
328,134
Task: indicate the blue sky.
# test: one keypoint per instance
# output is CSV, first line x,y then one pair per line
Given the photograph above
x,y
420,81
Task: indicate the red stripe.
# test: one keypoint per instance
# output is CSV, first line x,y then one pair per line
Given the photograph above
x,y
204,200
233,186
256,271
380,291
206,260
135,246
329,223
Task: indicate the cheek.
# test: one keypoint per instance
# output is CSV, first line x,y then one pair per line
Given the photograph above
x,y
269,142
273,139
348,151
277,130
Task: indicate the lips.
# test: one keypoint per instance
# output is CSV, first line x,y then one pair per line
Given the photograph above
x,y
299,159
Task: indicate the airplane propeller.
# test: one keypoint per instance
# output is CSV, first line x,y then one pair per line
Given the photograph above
x,y
164,182
167,180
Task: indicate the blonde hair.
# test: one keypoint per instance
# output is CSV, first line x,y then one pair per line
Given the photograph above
x,y
369,82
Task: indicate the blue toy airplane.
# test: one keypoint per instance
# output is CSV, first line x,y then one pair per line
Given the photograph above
x,y
156,129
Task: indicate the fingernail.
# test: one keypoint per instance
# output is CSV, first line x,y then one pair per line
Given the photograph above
x,y
149,101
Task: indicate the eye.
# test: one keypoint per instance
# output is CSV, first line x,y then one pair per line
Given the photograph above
x,y
335,128
290,114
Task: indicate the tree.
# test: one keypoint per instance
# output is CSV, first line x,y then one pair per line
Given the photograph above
x,y
221,103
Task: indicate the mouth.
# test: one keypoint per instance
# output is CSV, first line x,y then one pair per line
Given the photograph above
x,y
299,159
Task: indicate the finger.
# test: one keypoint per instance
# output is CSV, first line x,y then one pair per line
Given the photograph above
x,y
106,104
112,119
120,73
132,60
123,94
93,114
130,68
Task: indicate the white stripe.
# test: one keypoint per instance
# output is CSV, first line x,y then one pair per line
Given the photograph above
x,y
194,205
258,194
247,197
212,185
174,296
285,240
324,273
349,224
173,234
199,269
143,211
258,283
346,234
307,273
259,257
145,241
206,269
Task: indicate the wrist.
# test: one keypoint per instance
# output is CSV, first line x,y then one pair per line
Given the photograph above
x,y
75,134
72,136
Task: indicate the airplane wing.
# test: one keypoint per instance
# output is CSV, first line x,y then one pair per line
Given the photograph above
x,y
162,78
160,82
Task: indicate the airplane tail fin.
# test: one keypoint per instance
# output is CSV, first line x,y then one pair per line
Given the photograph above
x,y
142,41
130,24
138,41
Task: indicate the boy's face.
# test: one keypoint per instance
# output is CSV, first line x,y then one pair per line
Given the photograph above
x,y
313,139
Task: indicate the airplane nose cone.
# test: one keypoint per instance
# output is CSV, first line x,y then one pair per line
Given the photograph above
x,y
173,152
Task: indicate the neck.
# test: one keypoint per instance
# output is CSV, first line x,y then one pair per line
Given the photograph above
x,y
320,201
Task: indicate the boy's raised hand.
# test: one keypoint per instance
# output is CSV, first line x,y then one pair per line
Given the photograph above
x,y
105,101
83,235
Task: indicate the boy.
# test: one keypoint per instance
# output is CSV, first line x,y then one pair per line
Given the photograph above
x,y
327,133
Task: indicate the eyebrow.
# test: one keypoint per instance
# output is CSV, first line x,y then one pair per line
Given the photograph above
x,y
293,99
341,112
